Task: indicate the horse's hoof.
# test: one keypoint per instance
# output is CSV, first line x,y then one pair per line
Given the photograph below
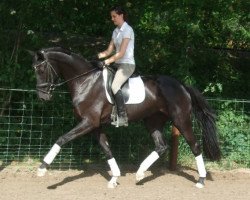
x,y
199,185
139,176
112,185
41,172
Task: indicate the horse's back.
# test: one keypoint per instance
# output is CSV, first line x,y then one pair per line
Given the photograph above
x,y
172,91
168,85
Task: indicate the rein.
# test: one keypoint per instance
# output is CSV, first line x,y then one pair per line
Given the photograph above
x,y
76,77
50,83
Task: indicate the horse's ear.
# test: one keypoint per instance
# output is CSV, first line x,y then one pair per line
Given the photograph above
x,y
40,55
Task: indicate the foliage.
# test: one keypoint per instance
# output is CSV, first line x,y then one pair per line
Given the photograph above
x,y
184,39
234,135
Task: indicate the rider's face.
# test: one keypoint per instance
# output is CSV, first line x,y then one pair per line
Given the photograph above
x,y
117,19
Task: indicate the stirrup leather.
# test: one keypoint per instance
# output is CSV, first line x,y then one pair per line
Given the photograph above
x,y
118,121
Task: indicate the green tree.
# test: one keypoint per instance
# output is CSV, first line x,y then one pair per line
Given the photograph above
x,y
202,43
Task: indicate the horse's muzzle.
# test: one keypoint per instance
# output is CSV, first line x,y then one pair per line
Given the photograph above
x,y
44,96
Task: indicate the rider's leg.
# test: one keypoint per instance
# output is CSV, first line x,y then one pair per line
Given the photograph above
x,y
122,119
123,73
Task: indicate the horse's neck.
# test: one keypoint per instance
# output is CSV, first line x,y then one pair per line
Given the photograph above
x,y
68,66
77,73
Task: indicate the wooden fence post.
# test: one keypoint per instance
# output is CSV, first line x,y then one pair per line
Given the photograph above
x,y
174,148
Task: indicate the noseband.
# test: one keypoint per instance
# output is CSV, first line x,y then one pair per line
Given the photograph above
x,y
52,75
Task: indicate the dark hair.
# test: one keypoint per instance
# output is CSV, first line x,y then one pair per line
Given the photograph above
x,y
119,10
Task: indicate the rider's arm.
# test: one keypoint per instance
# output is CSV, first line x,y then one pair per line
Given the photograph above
x,y
120,53
108,51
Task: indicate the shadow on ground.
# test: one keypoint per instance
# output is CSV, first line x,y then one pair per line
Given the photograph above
x,y
156,172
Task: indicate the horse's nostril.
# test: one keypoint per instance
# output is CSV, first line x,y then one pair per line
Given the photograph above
x,y
44,97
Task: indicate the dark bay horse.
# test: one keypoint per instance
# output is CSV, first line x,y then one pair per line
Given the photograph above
x,y
166,100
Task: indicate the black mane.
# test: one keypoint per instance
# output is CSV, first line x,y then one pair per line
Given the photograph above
x,y
65,51
58,49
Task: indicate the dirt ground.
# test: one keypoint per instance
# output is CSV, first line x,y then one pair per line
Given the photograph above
x,y
23,184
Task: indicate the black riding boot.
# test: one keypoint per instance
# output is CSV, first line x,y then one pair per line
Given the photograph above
x,y
122,119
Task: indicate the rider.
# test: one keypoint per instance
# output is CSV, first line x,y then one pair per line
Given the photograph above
x,y
123,43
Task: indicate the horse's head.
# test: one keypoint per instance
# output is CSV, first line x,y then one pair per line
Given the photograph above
x,y
51,62
45,75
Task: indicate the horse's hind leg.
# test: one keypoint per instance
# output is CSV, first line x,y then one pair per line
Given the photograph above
x,y
155,126
184,124
103,141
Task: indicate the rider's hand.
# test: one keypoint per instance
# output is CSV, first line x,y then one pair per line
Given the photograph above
x,y
97,63
100,64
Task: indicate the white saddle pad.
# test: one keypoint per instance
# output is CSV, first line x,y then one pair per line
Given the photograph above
x,y
136,89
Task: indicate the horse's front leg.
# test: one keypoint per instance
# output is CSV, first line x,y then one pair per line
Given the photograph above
x,y
103,141
82,128
161,147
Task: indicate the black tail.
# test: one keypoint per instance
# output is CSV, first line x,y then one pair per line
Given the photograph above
x,y
206,119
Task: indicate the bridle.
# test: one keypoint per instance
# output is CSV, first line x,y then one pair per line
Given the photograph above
x,y
52,75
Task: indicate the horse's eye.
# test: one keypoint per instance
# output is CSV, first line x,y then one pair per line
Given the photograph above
x,y
40,68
